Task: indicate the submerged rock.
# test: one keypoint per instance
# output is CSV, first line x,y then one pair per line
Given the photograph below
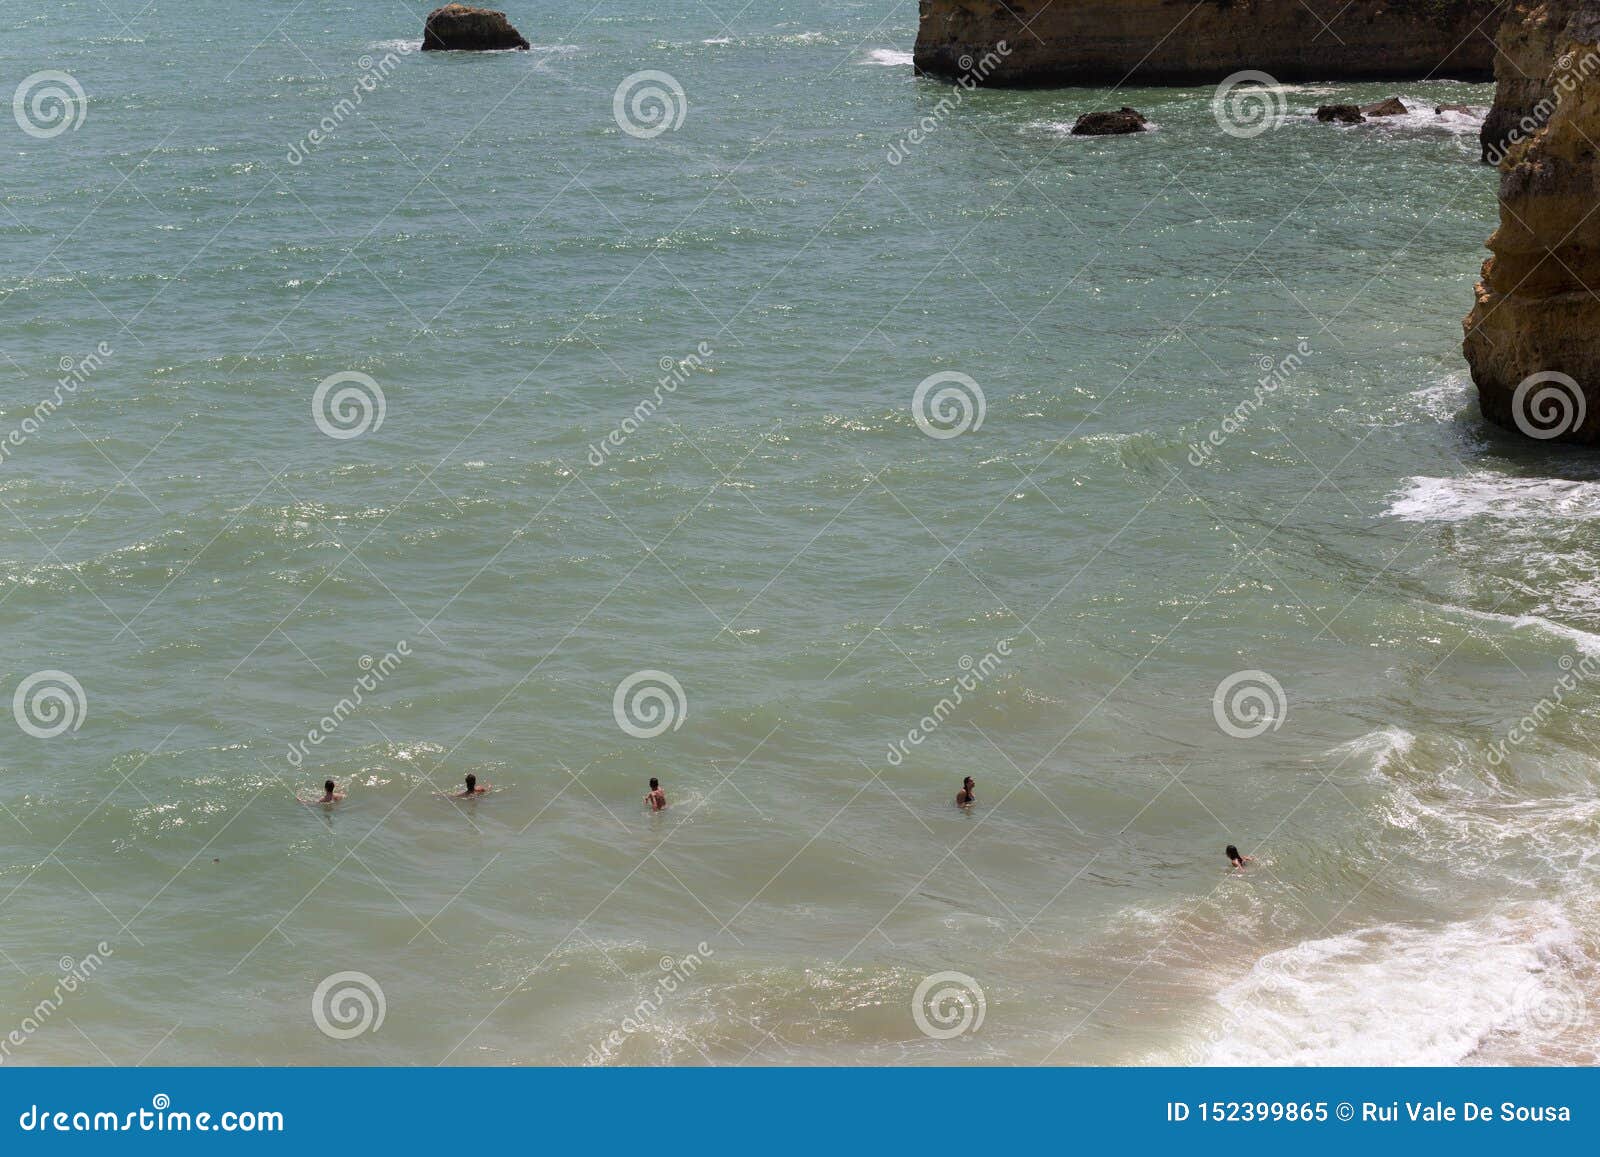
x,y
1441,109
1388,107
1110,124
1533,336
456,27
1344,114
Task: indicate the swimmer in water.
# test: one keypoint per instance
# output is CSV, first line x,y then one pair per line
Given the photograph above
x,y
329,795
472,789
964,797
1236,860
655,797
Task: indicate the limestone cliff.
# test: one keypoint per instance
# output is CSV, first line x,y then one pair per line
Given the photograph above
x,y
1146,42
1533,336
1525,51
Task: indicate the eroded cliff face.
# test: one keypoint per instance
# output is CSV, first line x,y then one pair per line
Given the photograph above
x,y
1146,42
1525,52
1533,336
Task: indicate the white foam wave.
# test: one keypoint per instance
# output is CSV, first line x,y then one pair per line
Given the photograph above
x,y
1379,747
889,57
1586,641
1494,496
1444,400
1401,995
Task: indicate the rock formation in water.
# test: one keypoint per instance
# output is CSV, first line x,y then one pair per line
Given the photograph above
x,y
1343,114
1110,124
1533,336
1525,50
1145,42
1391,106
456,27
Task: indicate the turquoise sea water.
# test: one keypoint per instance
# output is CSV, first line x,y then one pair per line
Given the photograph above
x,y
515,273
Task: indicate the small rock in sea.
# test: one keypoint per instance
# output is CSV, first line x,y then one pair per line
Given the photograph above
x,y
1441,109
458,28
1345,114
1106,124
1389,107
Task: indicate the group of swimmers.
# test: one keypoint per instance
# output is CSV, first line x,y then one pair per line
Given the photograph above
x,y
655,797
657,801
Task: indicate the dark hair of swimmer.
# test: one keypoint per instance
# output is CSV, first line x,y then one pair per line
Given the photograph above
x,y
654,783
967,783
1233,854
472,782
327,785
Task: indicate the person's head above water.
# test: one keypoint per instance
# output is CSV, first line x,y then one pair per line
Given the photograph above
x,y
327,786
654,783
967,783
1234,857
472,783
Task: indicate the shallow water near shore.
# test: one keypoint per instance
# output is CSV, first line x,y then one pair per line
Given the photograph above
x,y
1115,540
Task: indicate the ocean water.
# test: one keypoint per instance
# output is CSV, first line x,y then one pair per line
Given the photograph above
x,y
1316,634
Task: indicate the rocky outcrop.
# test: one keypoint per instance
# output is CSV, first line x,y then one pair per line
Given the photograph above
x,y
456,27
1388,107
1341,114
1533,336
1110,124
1146,42
1525,50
